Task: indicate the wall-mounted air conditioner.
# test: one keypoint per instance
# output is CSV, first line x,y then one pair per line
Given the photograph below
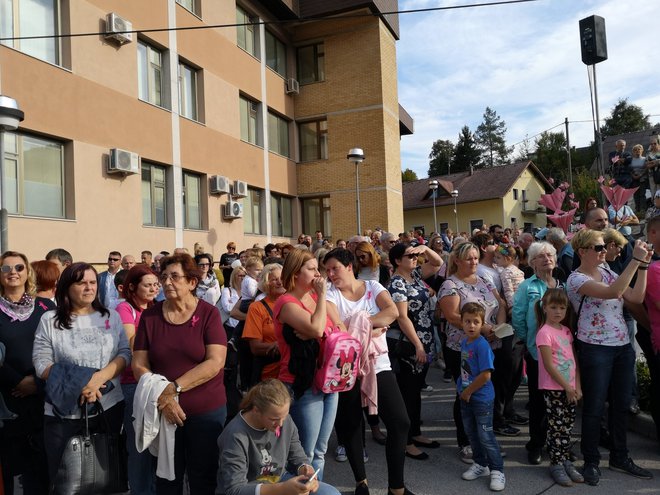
x,y
118,28
123,162
232,209
292,86
239,189
219,185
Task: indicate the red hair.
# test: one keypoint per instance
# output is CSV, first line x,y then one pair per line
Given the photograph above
x,y
133,278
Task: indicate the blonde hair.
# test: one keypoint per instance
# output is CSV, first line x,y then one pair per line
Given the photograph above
x,y
253,261
270,392
233,278
366,247
613,235
638,147
460,252
585,238
30,284
265,273
292,266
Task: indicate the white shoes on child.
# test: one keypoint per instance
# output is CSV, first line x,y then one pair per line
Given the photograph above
x,y
497,479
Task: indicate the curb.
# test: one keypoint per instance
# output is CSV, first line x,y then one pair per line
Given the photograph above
x,y
643,424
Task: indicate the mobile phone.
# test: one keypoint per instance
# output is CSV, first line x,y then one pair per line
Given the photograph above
x,y
313,477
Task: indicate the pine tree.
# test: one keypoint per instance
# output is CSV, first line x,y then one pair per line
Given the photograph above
x,y
625,117
440,157
490,137
466,153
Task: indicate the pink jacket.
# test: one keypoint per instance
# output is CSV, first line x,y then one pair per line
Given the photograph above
x,y
359,326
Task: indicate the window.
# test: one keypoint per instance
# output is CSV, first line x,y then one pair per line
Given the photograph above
x,y
316,215
150,74
278,135
21,18
275,54
311,64
246,32
187,91
515,194
475,224
313,140
252,212
192,201
250,116
444,226
281,215
190,5
33,183
154,195
524,196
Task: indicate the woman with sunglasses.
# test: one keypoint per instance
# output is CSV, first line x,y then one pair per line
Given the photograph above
x,y
369,266
208,288
182,338
410,337
21,439
606,354
84,333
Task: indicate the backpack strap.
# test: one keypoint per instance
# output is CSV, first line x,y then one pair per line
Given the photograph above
x,y
270,311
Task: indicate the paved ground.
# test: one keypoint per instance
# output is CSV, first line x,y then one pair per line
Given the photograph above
x,y
440,474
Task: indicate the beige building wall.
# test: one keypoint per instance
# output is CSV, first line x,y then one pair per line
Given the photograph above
x,y
524,212
90,104
488,211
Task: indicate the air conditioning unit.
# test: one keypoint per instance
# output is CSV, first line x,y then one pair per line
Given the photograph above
x,y
123,162
219,185
239,189
292,86
232,209
118,28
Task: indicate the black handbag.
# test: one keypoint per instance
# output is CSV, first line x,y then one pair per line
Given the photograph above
x,y
92,463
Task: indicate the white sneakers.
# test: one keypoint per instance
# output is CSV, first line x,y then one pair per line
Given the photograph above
x,y
497,479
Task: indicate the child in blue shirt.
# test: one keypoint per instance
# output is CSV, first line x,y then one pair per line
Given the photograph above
x,y
477,395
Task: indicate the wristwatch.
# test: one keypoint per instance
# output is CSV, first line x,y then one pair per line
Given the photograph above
x,y
177,388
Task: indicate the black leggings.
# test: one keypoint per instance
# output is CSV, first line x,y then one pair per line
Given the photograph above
x,y
392,411
453,363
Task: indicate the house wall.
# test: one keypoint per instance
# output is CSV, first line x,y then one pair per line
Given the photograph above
x,y
524,212
489,211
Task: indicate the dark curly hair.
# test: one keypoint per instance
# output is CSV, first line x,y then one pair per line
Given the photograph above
x,y
71,275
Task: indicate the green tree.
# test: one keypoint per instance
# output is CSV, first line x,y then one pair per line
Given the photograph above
x,y
491,139
584,186
440,157
525,151
550,155
466,153
408,175
625,117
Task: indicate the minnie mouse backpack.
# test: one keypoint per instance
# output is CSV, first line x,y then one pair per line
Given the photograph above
x,y
338,369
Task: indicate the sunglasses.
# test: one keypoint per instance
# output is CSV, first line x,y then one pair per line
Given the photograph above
x,y
114,259
411,256
598,247
8,268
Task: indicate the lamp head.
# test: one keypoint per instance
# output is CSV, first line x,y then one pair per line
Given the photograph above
x,y
356,155
433,184
454,193
10,114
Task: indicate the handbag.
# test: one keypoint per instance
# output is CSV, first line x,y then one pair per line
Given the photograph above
x,y
404,348
92,463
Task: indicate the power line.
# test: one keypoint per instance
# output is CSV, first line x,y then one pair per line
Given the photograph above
x,y
527,138
265,23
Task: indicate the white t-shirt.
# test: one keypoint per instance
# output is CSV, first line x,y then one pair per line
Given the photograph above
x,y
366,303
249,288
490,274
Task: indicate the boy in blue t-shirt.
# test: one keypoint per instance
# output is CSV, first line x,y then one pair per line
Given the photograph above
x,y
477,395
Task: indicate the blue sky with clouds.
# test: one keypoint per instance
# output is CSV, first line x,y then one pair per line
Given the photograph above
x,y
522,60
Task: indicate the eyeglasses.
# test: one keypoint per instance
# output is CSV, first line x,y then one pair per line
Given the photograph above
x,y
203,264
114,259
8,268
174,276
598,247
411,256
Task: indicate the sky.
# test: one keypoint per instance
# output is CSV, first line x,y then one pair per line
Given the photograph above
x,y
523,61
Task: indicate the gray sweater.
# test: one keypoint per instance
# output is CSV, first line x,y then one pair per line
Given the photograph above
x,y
249,457
93,341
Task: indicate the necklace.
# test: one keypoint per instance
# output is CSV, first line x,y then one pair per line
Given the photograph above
x,y
176,317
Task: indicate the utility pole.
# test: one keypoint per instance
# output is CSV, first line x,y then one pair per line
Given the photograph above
x,y
568,153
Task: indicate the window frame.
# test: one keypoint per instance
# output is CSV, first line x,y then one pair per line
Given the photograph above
x,y
16,32
515,194
147,167
186,175
253,118
317,60
253,212
278,66
195,74
278,222
321,140
247,32
275,138
194,6
156,93
324,215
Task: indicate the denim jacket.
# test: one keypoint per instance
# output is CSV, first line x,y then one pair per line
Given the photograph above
x,y
523,317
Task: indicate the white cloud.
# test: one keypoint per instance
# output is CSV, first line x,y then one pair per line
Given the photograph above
x,y
522,60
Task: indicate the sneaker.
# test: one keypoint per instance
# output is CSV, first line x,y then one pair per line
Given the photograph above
x,y
446,377
517,419
634,407
427,388
506,431
573,473
475,471
497,481
365,455
629,467
591,473
440,364
340,454
466,454
559,475
361,489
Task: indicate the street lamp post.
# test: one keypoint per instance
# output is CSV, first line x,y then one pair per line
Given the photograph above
x,y
454,194
356,155
10,116
433,186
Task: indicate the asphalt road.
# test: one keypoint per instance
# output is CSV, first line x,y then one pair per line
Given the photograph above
x,y
441,473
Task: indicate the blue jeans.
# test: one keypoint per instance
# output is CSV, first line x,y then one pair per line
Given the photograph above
x,y
324,488
478,423
314,415
196,453
141,465
605,369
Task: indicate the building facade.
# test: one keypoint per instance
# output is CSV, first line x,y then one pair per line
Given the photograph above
x,y
163,123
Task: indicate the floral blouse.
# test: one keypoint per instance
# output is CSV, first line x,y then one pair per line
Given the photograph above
x,y
482,293
601,320
420,307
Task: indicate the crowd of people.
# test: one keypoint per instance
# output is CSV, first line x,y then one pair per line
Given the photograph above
x,y
209,369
